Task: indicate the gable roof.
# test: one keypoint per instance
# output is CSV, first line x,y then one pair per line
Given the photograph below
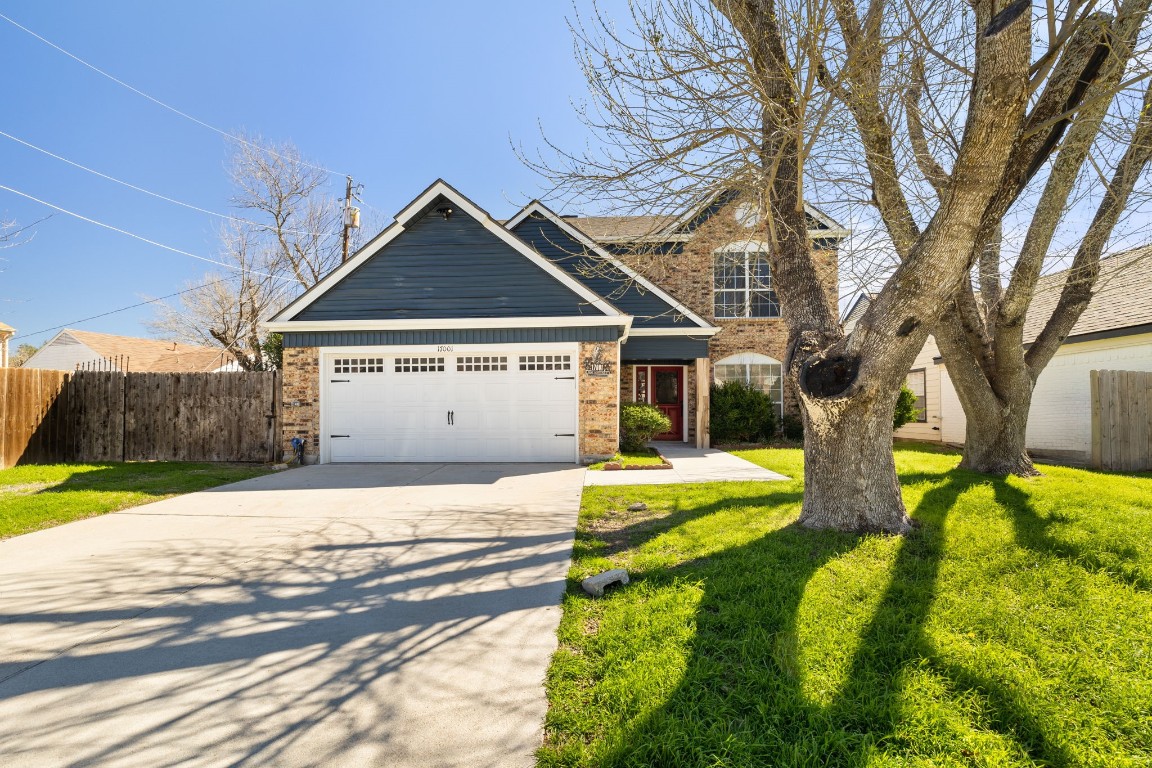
x,y
571,249
615,228
147,355
590,307
856,310
670,228
5,328
1121,299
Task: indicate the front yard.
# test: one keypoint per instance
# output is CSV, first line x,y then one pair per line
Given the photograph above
x,y
34,497
1011,629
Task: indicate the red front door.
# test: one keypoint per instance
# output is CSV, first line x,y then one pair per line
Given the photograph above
x,y
667,393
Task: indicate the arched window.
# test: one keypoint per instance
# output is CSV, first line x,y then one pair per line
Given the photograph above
x,y
759,371
742,282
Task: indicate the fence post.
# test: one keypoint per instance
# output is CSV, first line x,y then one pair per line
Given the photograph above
x,y
1094,382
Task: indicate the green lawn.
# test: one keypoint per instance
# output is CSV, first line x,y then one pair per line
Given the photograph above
x,y
34,497
1013,628
648,457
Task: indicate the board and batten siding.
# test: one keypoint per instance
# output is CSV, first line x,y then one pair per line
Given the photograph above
x,y
447,268
600,276
667,348
451,336
929,430
1060,421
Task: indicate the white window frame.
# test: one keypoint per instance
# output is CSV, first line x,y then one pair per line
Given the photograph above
x,y
747,360
749,249
921,397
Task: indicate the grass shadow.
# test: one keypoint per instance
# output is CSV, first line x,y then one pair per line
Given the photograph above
x,y
1034,531
745,697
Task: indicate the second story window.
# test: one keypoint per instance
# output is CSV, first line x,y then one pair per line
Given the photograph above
x,y
742,285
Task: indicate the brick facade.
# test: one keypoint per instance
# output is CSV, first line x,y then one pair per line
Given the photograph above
x,y
300,395
599,420
688,277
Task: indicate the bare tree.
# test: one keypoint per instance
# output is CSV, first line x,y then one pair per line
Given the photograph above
x,y
286,240
769,97
23,353
982,337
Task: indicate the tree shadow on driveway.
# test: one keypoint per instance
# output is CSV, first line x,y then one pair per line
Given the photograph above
x,y
343,647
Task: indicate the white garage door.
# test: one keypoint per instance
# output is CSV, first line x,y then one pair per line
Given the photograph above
x,y
474,406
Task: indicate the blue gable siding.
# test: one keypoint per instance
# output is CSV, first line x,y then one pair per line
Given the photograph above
x,y
649,310
451,336
446,268
662,348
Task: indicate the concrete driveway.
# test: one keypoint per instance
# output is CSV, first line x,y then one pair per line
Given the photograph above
x,y
341,615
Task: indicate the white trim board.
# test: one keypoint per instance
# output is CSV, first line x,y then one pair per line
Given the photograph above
x,y
539,208
404,217
449,324
703,333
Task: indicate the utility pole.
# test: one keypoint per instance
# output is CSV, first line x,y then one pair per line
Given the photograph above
x,y
351,214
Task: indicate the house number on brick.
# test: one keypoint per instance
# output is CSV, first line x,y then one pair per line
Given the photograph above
x,y
597,367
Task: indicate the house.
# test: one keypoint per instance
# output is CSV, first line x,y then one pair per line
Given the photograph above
x,y
71,349
6,334
454,337
1113,333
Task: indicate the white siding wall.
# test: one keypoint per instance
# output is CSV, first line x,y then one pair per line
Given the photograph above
x,y
62,353
930,429
952,419
1061,416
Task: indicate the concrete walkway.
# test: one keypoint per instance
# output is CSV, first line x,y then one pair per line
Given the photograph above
x,y
689,465
363,615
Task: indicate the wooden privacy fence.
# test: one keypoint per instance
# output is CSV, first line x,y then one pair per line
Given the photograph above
x,y
1122,420
59,416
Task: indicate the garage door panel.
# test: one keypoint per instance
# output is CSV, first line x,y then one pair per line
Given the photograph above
x,y
499,413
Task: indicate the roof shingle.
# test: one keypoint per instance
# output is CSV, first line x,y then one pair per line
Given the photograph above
x,y
1122,297
153,355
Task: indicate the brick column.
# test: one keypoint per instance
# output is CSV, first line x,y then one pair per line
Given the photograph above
x,y
599,400
300,396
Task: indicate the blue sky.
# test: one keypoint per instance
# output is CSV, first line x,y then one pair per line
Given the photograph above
x,y
396,94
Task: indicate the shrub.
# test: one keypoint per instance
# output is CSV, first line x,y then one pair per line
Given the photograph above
x,y
906,409
639,423
741,413
792,426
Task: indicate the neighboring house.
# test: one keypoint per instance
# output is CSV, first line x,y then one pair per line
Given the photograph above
x,y
1114,333
71,349
454,337
6,333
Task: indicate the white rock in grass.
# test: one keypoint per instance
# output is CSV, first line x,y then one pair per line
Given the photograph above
x,y
594,585
637,506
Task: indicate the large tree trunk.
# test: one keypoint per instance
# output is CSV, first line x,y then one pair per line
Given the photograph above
x,y
850,481
994,386
994,443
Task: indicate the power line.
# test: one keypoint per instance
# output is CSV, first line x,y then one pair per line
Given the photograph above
x,y
162,104
138,237
116,311
165,198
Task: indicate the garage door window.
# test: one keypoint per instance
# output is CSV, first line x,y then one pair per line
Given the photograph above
x,y
419,364
546,362
480,364
359,365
